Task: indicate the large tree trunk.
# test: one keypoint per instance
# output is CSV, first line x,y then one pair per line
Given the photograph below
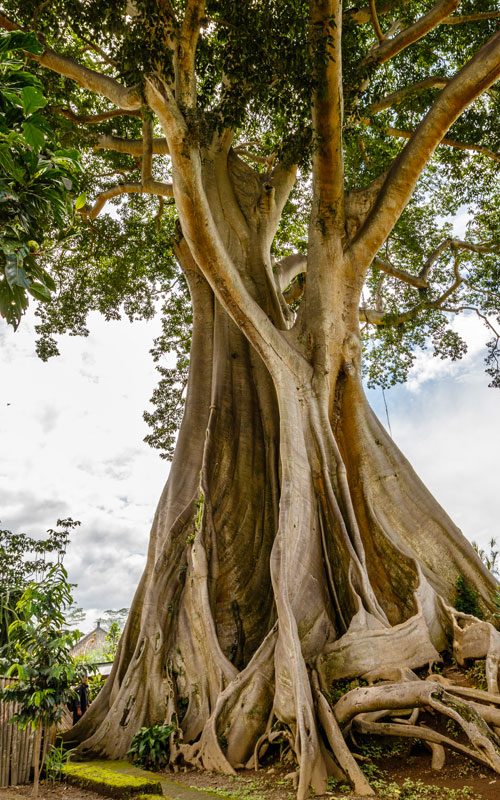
x,y
293,544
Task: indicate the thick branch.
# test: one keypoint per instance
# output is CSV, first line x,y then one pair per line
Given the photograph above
x,y
417,281
375,22
434,82
327,113
391,47
480,73
205,243
473,148
288,268
125,98
185,72
479,16
133,147
149,187
92,119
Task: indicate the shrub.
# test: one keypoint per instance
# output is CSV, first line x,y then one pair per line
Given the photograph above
x,y
466,599
150,747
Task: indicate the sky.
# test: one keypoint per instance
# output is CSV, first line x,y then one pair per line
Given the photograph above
x,y
71,444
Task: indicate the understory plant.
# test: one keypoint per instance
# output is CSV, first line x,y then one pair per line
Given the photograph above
x,y
57,756
40,669
150,747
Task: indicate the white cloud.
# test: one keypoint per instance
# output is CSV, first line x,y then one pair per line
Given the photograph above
x,y
71,445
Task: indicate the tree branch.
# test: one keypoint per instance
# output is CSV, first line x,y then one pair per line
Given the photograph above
x,y
477,75
134,147
288,268
376,24
327,113
390,47
150,187
434,82
185,91
473,148
205,243
381,318
92,119
125,98
479,16
417,281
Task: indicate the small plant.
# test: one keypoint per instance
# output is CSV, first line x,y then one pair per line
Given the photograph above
x,y
466,599
343,686
477,674
150,747
55,759
417,790
489,558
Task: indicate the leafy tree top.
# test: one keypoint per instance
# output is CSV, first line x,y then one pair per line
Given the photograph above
x,y
262,75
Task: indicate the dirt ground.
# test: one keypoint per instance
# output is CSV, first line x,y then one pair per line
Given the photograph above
x,y
274,783
403,776
48,791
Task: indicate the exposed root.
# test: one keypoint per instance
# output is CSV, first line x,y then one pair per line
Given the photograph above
x,y
433,738
473,638
337,742
354,706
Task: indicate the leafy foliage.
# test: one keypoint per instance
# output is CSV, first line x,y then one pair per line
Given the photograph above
x,y
24,559
37,656
36,181
150,746
57,756
466,599
255,76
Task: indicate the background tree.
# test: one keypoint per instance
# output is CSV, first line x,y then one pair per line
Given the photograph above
x,y
24,559
37,656
297,162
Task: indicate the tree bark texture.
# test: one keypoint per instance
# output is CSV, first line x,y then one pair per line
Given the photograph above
x,y
293,545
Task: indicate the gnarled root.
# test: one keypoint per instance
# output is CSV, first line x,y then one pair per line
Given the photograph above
x,y
357,706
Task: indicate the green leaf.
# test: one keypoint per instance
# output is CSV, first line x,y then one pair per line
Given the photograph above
x,y
19,40
33,134
32,99
80,201
14,272
8,165
39,291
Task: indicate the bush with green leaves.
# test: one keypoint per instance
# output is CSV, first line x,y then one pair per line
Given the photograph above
x,y
38,181
37,659
25,558
466,599
57,756
150,747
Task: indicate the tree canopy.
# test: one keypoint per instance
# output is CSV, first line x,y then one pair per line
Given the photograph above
x,y
255,76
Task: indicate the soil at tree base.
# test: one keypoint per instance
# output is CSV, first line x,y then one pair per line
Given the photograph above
x,y
273,784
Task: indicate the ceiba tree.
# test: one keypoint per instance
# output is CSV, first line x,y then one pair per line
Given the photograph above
x,y
302,163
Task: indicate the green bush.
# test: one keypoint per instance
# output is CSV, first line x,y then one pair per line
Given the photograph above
x,y
150,747
55,759
466,599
